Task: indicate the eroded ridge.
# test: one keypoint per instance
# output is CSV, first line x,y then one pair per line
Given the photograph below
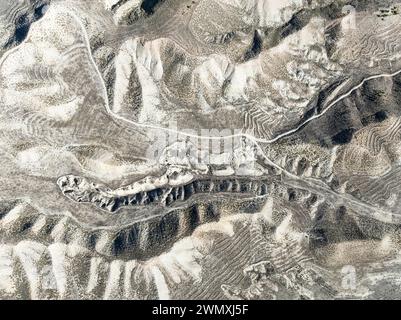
x,y
80,190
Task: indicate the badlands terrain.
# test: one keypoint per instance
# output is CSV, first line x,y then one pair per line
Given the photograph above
x,y
200,149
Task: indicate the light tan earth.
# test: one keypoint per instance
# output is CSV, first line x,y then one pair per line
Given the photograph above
x,y
199,149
